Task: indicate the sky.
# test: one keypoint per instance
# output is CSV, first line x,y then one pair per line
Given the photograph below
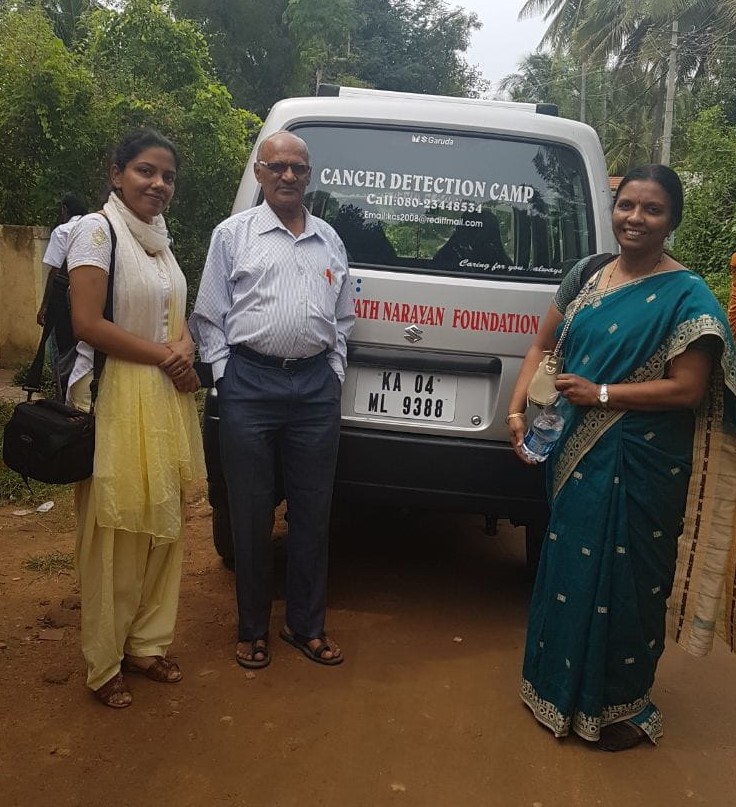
x,y
502,41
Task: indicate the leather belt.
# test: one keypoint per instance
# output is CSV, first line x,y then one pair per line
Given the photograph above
x,y
274,361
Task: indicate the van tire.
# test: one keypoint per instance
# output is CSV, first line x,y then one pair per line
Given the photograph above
x,y
535,533
222,535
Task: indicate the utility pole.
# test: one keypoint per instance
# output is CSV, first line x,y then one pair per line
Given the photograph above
x,y
669,101
583,91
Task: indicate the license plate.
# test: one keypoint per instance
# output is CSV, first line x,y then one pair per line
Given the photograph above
x,y
406,394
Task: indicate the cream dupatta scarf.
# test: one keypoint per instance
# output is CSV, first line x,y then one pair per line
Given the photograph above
x,y
147,437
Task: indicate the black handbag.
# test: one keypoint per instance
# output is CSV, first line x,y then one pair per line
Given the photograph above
x,y
49,441
46,439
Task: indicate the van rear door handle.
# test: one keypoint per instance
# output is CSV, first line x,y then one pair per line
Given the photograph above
x,y
422,360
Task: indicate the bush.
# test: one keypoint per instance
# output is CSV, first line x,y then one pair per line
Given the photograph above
x,y
707,236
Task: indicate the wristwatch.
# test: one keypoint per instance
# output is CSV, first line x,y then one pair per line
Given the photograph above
x,y
603,395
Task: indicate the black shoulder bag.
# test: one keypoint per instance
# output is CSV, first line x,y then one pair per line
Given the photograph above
x,y
47,440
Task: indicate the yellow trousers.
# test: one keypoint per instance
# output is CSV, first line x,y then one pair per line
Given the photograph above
x,y
129,591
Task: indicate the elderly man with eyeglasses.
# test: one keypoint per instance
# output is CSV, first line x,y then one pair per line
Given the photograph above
x,y
273,314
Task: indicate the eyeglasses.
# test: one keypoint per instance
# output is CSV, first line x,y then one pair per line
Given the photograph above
x,y
298,169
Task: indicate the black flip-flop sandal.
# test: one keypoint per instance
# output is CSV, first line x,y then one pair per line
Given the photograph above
x,y
312,653
621,736
254,663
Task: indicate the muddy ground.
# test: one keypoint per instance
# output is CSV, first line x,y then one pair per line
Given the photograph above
x,y
430,613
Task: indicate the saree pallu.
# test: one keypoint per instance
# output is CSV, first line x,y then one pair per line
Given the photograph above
x,y
619,482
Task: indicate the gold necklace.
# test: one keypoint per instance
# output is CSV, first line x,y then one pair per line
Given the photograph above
x,y
610,277
640,277
649,271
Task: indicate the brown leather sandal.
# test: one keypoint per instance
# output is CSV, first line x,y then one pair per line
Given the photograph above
x,y
161,670
114,693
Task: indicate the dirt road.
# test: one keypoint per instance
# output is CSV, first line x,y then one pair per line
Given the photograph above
x,y
430,613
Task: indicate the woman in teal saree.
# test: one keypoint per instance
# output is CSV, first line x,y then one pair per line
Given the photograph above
x,y
635,520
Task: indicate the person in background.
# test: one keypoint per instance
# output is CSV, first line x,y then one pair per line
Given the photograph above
x,y
130,513
53,313
640,478
732,296
273,314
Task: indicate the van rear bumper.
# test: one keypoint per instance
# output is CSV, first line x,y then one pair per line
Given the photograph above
x,y
407,470
475,476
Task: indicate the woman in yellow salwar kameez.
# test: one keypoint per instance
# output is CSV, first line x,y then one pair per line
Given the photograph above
x,y
130,513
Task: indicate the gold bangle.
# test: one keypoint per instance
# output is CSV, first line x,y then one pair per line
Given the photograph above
x,y
514,415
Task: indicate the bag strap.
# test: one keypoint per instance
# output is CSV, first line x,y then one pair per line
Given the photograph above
x,y
32,382
100,357
593,265
590,268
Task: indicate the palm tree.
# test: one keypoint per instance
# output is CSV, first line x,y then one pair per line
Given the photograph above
x,y
631,31
619,102
537,79
636,34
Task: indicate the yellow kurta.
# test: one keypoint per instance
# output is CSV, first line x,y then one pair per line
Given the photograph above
x,y
130,513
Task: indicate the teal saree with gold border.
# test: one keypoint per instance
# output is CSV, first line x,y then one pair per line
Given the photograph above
x,y
626,489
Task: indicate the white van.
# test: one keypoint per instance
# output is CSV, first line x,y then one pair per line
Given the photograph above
x,y
459,218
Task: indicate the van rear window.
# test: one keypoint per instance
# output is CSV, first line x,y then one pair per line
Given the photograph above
x,y
457,204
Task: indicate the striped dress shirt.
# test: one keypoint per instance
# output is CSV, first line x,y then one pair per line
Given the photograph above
x,y
279,294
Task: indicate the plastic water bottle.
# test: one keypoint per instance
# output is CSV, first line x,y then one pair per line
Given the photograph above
x,y
543,434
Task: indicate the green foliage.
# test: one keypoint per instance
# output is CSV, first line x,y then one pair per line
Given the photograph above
x,y
416,46
631,41
320,31
707,236
143,48
250,46
46,108
69,18
61,113
620,104
178,95
267,49
552,78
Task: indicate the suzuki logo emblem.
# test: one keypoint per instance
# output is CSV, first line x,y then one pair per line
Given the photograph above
x,y
413,334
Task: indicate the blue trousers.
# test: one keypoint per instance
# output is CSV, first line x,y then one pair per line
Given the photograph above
x,y
295,412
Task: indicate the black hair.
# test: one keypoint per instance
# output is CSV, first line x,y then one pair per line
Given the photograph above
x,y
668,180
137,141
74,204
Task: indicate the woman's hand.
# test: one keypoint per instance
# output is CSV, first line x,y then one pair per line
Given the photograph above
x,y
577,390
181,358
543,341
517,430
187,381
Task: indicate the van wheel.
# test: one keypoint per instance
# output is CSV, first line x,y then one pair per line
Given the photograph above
x,y
534,537
222,535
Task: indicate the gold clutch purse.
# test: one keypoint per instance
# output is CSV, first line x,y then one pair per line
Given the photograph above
x,y
542,391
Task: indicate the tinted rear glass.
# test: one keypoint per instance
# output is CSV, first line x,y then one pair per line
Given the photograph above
x,y
453,204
